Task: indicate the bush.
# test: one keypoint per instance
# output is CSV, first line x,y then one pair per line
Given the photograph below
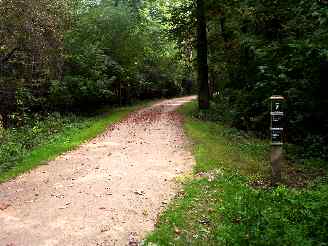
x,y
15,143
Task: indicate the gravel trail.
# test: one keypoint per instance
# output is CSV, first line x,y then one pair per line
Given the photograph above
x,y
109,191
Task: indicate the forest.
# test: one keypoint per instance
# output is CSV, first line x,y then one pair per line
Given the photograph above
x,y
63,63
261,48
72,56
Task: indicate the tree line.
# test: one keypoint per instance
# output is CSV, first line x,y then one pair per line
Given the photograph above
x,y
75,55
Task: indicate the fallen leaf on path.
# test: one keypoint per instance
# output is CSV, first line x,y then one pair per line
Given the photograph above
x,y
30,201
140,193
4,206
57,195
104,229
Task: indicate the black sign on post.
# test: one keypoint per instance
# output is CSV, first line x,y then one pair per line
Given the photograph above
x,y
276,137
277,120
277,133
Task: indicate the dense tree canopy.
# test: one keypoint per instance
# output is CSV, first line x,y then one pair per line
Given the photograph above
x,y
69,55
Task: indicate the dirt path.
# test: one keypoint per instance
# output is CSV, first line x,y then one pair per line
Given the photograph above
x,y
108,192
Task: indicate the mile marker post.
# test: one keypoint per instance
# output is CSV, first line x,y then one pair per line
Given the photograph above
x,y
277,131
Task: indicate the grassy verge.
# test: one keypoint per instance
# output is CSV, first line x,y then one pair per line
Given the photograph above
x,y
222,206
24,148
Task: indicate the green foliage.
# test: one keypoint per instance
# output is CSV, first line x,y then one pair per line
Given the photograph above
x,y
262,48
273,217
281,47
224,210
121,53
75,55
17,142
31,49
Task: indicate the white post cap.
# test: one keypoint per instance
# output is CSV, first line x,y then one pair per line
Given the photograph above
x,y
277,97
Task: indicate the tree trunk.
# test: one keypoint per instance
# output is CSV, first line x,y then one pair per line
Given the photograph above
x,y
223,30
203,93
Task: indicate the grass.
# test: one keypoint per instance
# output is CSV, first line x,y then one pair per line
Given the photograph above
x,y
221,206
33,145
219,146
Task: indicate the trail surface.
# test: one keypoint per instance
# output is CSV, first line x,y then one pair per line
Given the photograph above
x,y
107,192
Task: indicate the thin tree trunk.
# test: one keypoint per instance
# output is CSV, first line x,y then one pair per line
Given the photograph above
x,y
223,30
203,93
120,93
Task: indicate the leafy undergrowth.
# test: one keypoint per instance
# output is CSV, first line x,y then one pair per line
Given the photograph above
x,y
41,140
221,206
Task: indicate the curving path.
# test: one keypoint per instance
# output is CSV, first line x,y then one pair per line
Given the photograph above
x,y
107,192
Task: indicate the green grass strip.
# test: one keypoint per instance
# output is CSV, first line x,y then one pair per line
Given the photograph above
x,y
65,141
218,146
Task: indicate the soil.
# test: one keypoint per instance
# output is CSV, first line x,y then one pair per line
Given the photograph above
x,y
109,191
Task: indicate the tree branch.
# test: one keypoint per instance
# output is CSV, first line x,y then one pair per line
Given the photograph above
x,y
8,56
